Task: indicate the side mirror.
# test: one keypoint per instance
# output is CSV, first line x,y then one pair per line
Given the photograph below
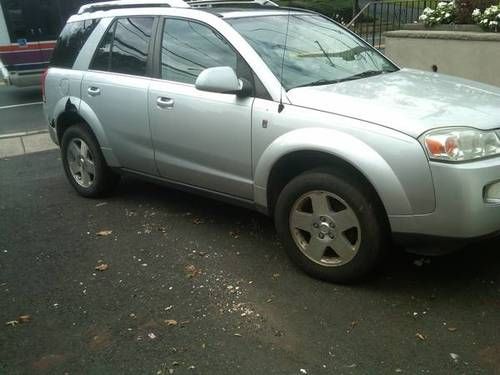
x,y
223,80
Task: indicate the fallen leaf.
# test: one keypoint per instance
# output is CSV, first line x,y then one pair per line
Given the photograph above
x,y
354,323
234,234
452,329
102,267
455,357
151,335
104,233
237,335
198,221
24,318
12,323
171,322
101,204
420,336
276,275
192,271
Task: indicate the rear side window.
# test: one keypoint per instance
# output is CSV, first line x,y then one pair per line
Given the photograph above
x,y
125,47
70,42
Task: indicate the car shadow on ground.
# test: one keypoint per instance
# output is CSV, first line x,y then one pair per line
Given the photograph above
x,y
478,261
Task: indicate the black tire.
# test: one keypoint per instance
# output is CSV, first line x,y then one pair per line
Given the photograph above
x,y
104,179
373,237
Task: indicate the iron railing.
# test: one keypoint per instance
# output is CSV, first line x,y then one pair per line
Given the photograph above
x,y
377,17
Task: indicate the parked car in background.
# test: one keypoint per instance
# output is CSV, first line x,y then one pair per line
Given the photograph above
x,y
283,111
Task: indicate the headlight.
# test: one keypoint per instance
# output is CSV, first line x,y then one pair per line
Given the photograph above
x,y
461,144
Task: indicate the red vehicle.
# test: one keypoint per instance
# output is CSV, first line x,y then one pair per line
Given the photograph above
x,y
28,32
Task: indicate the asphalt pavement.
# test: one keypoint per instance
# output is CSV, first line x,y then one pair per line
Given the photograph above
x,y
156,281
21,110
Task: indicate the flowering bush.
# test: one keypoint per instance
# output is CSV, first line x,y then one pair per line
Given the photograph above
x,y
444,13
489,19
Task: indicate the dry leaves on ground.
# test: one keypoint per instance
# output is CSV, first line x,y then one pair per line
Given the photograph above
x,y
192,271
420,336
104,233
102,267
171,322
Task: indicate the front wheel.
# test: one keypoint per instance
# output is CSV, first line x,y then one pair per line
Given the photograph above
x,y
331,225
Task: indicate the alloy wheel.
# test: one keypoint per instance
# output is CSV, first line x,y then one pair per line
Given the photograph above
x,y
325,228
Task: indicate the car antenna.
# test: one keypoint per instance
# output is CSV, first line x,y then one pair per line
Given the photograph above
x,y
281,106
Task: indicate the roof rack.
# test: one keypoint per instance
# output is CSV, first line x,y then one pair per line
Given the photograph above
x,y
120,4
230,3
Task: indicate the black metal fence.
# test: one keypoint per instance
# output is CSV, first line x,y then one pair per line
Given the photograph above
x,y
377,17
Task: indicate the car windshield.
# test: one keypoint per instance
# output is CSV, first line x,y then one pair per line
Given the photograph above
x,y
318,51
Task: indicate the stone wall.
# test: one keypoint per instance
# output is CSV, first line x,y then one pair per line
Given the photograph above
x,y
472,55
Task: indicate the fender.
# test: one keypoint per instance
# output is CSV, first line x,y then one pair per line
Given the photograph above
x,y
88,115
93,121
352,150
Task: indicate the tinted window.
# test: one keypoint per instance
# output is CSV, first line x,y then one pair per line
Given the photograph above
x,y
190,47
71,41
125,47
102,57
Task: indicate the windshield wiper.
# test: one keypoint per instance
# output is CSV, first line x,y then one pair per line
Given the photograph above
x,y
323,81
319,82
366,74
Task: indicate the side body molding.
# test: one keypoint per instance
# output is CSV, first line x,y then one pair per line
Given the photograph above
x,y
353,150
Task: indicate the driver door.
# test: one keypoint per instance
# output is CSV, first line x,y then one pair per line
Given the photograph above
x,y
200,138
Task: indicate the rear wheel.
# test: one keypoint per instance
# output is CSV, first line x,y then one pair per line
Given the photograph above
x,y
84,163
331,225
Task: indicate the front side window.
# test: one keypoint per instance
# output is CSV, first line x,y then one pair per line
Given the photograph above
x,y
189,47
318,51
70,42
125,47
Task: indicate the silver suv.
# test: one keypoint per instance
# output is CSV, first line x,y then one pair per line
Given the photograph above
x,y
283,111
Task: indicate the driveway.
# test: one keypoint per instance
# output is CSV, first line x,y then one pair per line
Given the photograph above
x,y
155,281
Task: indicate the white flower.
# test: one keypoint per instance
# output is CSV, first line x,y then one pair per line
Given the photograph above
x,y
427,11
493,23
484,21
476,12
423,17
442,4
447,15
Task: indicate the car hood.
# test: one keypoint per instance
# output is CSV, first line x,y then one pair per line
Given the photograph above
x,y
409,101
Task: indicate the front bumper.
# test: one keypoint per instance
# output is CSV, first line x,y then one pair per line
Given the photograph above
x,y
463,210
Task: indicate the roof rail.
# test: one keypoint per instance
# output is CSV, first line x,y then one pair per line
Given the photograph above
x,y
120,4
230,3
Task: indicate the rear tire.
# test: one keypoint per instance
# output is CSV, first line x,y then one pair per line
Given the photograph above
x,y
84,164
332,225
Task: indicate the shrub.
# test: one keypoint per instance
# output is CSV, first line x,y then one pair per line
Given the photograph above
x,y
489,19
444,13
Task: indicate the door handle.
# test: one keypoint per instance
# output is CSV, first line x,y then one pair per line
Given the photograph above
x,y
94,91
163,102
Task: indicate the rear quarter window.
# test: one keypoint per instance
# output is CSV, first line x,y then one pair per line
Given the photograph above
x,y
73,37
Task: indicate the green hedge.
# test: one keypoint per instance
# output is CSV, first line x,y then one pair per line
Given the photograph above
x,y
330,8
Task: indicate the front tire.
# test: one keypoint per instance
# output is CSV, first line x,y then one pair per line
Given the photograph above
x,y
332,225
84,163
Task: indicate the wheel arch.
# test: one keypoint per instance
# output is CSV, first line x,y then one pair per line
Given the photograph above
x,y
305,149
76,111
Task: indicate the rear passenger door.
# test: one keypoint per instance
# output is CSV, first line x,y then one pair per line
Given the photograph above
x,y
201,138
116,89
